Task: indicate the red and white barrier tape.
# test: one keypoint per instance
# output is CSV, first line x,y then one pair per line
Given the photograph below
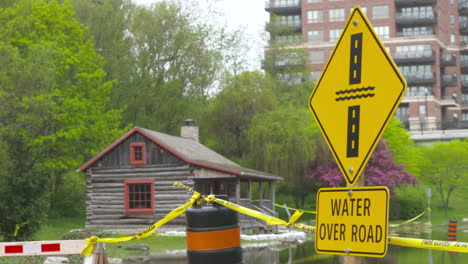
x,y
57,247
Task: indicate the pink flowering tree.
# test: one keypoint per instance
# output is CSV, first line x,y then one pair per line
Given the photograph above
x,y
381,170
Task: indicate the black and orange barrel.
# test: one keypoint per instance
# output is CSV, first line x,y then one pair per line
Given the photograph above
x,y
213,235
452,230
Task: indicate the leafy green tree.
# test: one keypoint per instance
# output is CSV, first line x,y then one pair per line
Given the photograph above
x,y
233,109
283,142
55,89
23,188
405,150
108,23
445,167
177,59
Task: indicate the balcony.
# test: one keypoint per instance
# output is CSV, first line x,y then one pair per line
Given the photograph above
x,y
463,7
400,3
419,78
448,60
463,27
454,124
416,19
449,80
464,105
283,28
414,57
464,66
448,101
403,34
283,9
465,86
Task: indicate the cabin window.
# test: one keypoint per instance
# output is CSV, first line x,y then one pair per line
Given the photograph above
x,y
139,196
137,154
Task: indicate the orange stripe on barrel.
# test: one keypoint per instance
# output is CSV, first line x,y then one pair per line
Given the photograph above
x,y
213,240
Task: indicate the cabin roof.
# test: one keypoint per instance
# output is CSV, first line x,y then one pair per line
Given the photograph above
x,y
189,151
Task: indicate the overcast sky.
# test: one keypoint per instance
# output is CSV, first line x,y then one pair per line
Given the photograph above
x,y
248,15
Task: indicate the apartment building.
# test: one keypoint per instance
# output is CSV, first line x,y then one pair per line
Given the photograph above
x,y
428,40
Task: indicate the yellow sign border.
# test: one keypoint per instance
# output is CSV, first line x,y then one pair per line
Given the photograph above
x,y
352,252
352,176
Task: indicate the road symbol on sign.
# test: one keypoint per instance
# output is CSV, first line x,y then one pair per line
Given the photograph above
x,y
350,112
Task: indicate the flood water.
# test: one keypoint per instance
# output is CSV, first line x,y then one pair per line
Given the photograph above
x,y
305,254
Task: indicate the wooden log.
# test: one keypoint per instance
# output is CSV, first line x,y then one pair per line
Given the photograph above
x,y
123,222
103,202
117,174
106,206
144,169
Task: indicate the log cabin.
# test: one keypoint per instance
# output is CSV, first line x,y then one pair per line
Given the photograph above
x,y
129,185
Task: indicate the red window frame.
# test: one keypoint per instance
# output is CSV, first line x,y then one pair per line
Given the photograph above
x,y
137,154
139,196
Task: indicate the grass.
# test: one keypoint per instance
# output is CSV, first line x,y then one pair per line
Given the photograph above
x,y
56,227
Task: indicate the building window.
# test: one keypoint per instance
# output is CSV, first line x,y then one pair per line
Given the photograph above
x,y
334,34
383,32
290,21
453,39
363,8
452,2
315,16
336,15
452,20
315,36
418,91
465,98
287,39
402,113
422,110
380,12
139,196
316,57
280,3
419,72
465,120
137,154
414,51
314,1
416,31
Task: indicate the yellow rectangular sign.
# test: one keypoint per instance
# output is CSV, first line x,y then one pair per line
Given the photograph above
x,y
352,221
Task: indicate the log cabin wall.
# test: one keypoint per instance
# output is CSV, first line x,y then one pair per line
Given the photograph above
x,y
105,206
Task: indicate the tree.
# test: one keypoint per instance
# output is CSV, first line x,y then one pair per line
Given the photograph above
x,y
23,188
177,58
108,23
406,151
233,109
55,89
381,170
445,167
283,142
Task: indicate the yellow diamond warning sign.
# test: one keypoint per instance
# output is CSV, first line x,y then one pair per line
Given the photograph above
x,y
352,221
356,95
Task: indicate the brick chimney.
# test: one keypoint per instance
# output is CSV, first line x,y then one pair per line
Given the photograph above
x,y
189,130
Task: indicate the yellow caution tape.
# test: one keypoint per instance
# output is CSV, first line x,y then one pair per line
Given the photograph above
x,y
270,220
453,246
18,226
291,208
90,242
412,219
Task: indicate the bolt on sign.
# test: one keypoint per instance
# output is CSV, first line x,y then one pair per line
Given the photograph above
x,y
352,221
356,95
